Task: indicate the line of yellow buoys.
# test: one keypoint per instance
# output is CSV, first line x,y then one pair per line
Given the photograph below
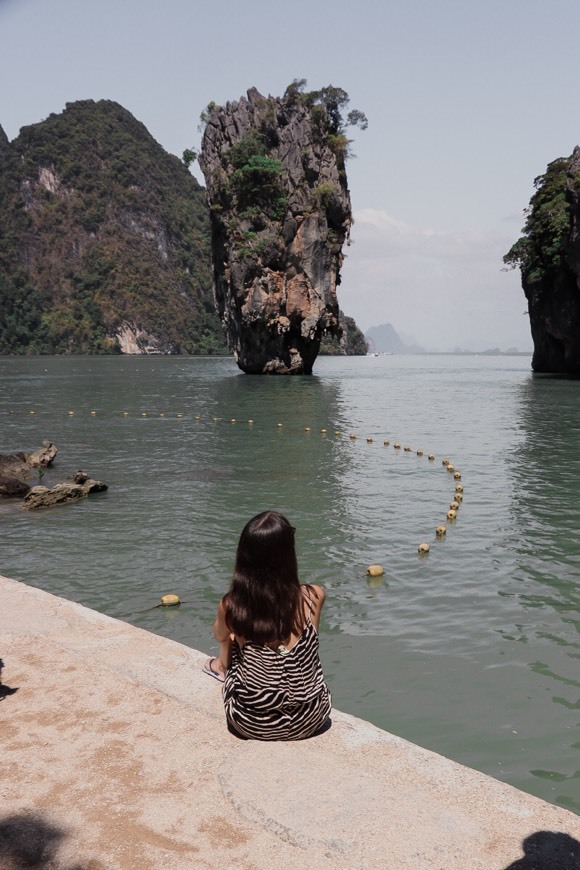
x,y
171,600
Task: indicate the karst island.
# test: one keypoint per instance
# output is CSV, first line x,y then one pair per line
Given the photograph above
x,y
280,214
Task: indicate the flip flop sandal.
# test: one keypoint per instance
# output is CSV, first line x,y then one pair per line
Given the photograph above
x,y
207,669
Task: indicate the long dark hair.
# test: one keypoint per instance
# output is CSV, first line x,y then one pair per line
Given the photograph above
x,y
265,604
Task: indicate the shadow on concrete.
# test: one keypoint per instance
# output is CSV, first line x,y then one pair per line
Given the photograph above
x,y
548,850
5,691
28,840
326,726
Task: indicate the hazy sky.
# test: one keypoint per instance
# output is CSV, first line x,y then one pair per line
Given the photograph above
x,y
467,102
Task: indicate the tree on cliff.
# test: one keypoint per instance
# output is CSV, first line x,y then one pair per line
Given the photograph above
x,y
280,213
542,247
548,255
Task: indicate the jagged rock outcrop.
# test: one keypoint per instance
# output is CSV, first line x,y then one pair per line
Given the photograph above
x,y
280,213
62,493
350,342
19,465
548,255
4,142
13,487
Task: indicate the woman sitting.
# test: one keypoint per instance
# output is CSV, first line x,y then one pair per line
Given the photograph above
x,y
267,628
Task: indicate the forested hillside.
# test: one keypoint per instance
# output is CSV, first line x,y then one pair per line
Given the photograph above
x,y
104,240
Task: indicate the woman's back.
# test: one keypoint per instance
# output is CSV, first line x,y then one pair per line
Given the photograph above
x,y
277,694
267,628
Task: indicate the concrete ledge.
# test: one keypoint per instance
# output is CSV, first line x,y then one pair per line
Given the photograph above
x,y
115,756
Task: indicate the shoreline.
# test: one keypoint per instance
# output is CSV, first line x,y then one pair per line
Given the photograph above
x,y
115,741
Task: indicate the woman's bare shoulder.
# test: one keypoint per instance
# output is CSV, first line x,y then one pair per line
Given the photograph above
x,y
315,593
318,592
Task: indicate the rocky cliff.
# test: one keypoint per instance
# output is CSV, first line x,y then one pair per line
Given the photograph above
x,y
104,240
280,214
3,142
548,255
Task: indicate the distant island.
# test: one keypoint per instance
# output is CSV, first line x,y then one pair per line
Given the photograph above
x,y
384,339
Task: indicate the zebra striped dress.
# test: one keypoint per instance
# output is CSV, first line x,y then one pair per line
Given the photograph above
x,y
277,694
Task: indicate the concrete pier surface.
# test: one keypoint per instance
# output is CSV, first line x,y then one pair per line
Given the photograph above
x,y
115,756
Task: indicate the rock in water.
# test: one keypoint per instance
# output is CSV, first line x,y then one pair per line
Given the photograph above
x,y
280,213
548,255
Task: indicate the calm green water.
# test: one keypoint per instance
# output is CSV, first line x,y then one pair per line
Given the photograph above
x,y
472,651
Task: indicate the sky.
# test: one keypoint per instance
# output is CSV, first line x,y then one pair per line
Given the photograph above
x,y
467,103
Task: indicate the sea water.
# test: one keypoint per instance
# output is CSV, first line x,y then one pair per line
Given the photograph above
x,y
472,651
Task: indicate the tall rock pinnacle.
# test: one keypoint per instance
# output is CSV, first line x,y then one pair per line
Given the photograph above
x,y
280,213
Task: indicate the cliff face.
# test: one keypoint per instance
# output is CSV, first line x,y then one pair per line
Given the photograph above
x,y
548,255
280,213
3,142
104,241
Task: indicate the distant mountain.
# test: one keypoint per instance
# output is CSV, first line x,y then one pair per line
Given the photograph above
x,y
384,339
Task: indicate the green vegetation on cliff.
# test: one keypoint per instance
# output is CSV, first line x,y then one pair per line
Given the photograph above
x,y
102,235
541,249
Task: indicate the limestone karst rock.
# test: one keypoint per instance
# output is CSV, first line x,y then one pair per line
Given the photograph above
x,y
548,255
105,240
280,214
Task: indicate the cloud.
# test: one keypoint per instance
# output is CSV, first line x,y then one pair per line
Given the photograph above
x,y
445,288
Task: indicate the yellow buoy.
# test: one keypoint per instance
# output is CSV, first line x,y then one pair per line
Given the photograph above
x,y
419,453
352,436
125,413
369,440
143,413
457,475
450,467
440,531
71,413
32,412
233,420
180,415
307,429
386,442
250,421
170,600
458,487
162,414
323,431
407,449
279,425
430,457
458,496
396,446
423,549
197,417
93,413
454,505
375,570
338,433
444,462
451,514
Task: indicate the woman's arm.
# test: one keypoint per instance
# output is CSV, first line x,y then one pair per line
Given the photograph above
x,y
223,636
317,596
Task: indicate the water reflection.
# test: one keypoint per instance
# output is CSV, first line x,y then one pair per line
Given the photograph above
x,y
545,480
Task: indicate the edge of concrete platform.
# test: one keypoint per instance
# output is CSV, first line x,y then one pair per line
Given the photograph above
x,y
90,737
